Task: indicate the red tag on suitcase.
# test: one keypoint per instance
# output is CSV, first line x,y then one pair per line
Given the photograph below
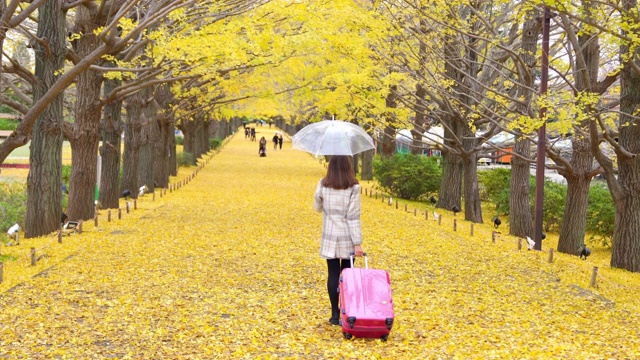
x,y
366,305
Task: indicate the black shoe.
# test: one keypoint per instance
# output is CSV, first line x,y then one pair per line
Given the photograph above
x,y
334,320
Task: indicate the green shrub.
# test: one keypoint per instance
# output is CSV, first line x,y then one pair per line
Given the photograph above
x,y
408,176
179,140
13,204
8,124
494,188
600,214
555,195
215,143
185,159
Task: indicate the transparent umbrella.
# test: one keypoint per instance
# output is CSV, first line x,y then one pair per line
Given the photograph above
x,y
332,137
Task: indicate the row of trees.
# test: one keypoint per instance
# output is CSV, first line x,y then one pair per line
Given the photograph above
x,y
472,67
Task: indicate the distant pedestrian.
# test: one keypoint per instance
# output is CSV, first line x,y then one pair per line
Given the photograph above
x,y
280,140
262,150
275,141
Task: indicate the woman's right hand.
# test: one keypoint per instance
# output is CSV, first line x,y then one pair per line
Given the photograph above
x,y
357,249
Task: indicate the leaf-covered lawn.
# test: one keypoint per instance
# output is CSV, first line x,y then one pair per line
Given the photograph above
x,y
228,267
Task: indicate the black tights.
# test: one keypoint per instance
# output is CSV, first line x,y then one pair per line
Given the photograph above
x,y
335,267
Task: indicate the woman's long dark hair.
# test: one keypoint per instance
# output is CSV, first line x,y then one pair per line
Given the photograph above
x,y
340,174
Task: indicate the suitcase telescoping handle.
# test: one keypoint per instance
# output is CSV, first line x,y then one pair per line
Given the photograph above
x,y
366,262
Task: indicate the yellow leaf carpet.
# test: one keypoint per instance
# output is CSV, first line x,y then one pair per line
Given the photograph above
x,y
227,267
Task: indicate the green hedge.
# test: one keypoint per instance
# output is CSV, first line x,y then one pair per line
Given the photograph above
x,y
494,185
408,176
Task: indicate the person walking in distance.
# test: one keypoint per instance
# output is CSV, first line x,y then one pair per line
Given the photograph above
x,y
280,140
275,141
337,196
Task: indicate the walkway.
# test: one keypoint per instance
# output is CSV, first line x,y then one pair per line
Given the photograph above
x,y
228,267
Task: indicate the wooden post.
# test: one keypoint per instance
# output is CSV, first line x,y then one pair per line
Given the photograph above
x,y
160,193
471,230
17,238
33,256
594,274
360,190
406,207
519,243
493,237
426,214
455,224
376,195
415,212
119,213
165,191
170,189
60,236
550,255
366,192
80,227
1,272
383,199
135,204
95,221
109,216
440,220
396,204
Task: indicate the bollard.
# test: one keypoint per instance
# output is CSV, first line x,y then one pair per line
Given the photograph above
x,y
376,195
519,243
80,227
471,230
33,256
1,271
383,199
426,215
396,204
60,236
160,194
135,204
440,220
95,221
550,255
170,189
127,207
493,237
109,216
165,191
119,213
366,192
415,212
455,224
593,276
17,238
406,207
360,190
153,198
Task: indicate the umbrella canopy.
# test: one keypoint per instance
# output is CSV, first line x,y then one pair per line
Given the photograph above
x,y
332,137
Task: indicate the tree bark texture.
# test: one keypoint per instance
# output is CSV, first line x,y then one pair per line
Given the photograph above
x,y
574,220
451,185
367,165
472,205
110,151
133,126
86,127
626,235
145,151
389,138
520,218
44,182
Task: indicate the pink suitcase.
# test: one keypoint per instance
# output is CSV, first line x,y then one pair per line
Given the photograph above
x,y
366,305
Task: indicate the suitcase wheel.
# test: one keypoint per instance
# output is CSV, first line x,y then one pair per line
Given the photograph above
x,y
384,337
347,335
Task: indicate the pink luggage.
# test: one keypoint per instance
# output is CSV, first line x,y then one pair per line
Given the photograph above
x,y
366,306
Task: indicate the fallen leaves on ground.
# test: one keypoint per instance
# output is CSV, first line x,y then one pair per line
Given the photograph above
x,y
228,266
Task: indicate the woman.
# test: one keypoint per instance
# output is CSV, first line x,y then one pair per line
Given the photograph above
x,y
262,150
338,198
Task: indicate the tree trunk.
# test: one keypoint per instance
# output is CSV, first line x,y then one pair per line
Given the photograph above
x,y
132,130
472,205
451,185
367,165
110,151
520,219
574,221
145,151
626,235
389,139
172,161
86,127
44,194
161,152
